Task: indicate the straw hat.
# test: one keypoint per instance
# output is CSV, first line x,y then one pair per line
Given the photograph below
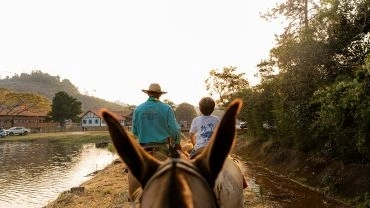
x,y
154,87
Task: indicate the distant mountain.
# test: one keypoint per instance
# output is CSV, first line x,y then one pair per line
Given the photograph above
x,y
47,85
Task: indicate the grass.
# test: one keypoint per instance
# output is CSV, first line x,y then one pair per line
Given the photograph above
x,y
74,137
108,188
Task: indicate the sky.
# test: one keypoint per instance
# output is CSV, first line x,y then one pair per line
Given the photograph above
x,y
113,49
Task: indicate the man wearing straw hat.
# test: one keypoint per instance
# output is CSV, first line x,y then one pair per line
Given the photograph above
x,y
154,122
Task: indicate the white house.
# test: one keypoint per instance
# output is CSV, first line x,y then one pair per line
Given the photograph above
x,y
92,118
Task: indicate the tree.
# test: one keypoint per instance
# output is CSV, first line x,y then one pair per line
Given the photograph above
x,y
65,107
225,84
170,103
336,30
14,103
343,124
296,12
316,90
185,113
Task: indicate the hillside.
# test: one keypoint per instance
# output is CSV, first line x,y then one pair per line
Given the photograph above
x,y
47,85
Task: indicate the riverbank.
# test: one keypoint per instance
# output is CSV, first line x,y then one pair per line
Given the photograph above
x,y
108,188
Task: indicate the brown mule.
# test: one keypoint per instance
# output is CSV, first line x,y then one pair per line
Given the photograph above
x,y
177,182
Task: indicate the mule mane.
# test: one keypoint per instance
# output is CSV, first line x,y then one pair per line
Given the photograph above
x,y
177,192
182,187
178,184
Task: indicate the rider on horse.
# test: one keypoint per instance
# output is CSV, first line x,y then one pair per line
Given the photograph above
x,y
154,123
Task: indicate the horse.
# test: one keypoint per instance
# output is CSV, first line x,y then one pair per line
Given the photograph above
x,y
177,182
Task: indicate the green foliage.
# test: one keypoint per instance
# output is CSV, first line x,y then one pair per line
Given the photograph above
x,y
330,182
344,116
257,109
362,201
225,84
319,98
65,107
296,12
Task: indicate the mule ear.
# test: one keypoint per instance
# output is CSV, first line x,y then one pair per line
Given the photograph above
x,y
211,160
141,164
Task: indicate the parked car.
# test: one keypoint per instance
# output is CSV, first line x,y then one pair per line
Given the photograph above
x,y
269,126
18,130
2,133
243,125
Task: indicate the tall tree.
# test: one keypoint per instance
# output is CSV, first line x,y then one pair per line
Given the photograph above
x,y
225,84
65,107
185,113
296,12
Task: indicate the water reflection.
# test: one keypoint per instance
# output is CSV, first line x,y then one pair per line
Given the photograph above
x,y
34,173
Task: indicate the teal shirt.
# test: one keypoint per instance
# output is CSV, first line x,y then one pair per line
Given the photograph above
x,y
154,121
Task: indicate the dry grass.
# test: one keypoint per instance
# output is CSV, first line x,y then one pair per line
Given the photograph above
x,y
108,188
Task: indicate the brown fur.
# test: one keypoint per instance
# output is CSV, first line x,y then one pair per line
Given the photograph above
x,y
192,188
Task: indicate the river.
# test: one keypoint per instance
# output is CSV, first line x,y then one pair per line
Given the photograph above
x,y
34,173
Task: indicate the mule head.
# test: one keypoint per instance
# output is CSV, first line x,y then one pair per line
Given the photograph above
x,y
176,182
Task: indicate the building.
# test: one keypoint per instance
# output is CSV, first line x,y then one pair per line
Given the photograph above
x,y
92,120
34,121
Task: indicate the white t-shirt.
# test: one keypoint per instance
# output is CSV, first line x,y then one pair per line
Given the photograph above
x,y
203,127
